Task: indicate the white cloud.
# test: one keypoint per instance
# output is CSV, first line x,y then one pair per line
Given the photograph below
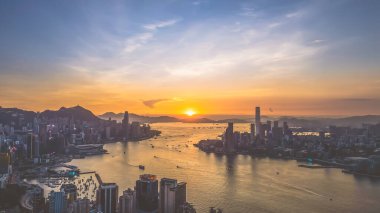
x,y
161,24
318,41
294,14
248,11
137,41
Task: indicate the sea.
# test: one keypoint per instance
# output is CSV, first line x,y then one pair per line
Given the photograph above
x,y
235,184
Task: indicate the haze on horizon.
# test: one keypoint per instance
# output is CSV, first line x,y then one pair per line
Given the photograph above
x,y
210,56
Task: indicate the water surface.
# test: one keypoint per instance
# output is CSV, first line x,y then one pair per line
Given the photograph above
x,y
235,184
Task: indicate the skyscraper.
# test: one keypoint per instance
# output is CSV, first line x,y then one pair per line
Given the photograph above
x,y
252,134
70,192
80,206
147,193
57,202
4,163
179,196
229,138
106,197
167,201
125,125
258,121
127,201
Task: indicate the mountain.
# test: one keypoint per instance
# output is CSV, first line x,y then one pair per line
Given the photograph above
x,y
77,112
197,120
15,115
139,118
353,121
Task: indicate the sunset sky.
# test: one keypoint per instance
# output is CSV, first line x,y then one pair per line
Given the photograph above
x,y
212,56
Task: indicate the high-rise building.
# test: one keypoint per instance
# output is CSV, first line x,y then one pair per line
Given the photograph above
x,y
32,146
37,198
79,206
4,163
167,203
106,197
187,208
277,133
147,193
127,202
179,193
57,202
258,121
125,125
70,192
229,143
172,195
252,133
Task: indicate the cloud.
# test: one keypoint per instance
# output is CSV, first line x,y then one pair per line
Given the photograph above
x,y
317,41
161,24
294,14
151,103
248,11
137,41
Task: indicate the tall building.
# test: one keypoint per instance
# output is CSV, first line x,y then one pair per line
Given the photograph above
x,y
37,198
70,192
229,143
32,146
125,125
147,193
106,197
252,133
127,202
80,206
4,163
167,203
179,193
57,202
258,121
172,195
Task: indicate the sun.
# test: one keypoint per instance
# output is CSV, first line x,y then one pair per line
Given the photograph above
x,y
190,112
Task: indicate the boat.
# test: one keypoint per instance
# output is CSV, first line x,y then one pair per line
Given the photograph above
x,y
142,167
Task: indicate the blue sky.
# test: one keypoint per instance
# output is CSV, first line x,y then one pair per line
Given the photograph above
x,y
127,52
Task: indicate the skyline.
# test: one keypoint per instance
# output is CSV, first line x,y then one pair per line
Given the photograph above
x,y
214,57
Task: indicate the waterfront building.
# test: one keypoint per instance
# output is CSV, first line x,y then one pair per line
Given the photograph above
x,y
147,193
125,125
127,202
167,203
258,121
106,197
229,142
80,206
187,208
70,192
179,193
57,202
37,198
252,131
172,196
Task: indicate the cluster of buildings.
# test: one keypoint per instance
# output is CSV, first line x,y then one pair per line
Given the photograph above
x,y
148,196
261,136
31,143
354,149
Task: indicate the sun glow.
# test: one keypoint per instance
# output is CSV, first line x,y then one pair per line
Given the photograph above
x,y
190,112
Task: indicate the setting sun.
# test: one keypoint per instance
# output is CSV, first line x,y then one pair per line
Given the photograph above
x,y
190,112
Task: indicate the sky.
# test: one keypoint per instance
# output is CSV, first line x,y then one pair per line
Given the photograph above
x,y
293,57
